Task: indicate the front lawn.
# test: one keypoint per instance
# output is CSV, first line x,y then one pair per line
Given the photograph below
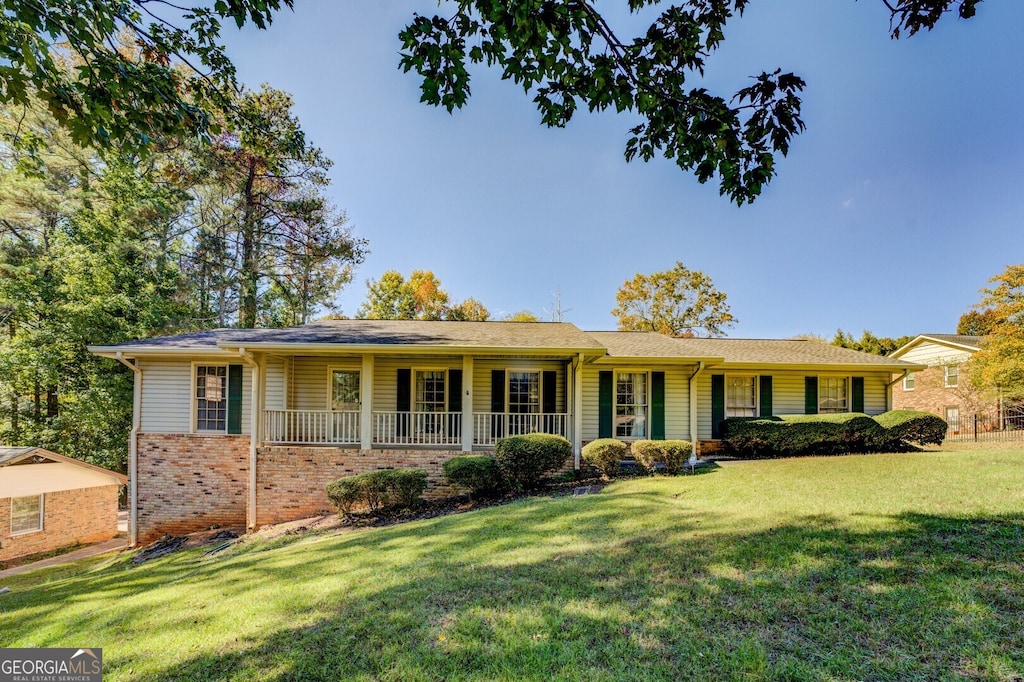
x,y
845,568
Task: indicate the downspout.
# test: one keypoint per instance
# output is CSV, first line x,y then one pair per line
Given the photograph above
x,y
577,410
888,389
250,512
693,403
133,452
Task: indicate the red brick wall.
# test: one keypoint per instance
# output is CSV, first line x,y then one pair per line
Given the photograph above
x,y
69,516
191,482
931,395
290,481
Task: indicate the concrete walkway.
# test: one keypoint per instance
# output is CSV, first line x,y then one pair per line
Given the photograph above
x,y
92,550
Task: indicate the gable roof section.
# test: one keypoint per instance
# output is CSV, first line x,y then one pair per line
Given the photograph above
x,y
789,352
381,336
48,472
970,344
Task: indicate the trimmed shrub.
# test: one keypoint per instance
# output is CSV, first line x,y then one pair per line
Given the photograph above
x,y
476,473
376,489
677,452
796,435
523,460
345,493
647,453
912,426
606,454
406,485
672,453
832,434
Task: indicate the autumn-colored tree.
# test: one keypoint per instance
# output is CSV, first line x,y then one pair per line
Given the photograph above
x,y
470,310
521,316
677,302
977,322
1000,362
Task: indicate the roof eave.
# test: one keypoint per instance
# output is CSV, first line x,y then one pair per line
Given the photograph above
x,y
656,360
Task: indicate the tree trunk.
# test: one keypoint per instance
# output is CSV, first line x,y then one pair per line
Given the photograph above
x,y
52,404
247,303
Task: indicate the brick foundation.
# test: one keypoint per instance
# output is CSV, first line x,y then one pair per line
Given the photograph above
x,y
706,448
290,481
191,482
83,516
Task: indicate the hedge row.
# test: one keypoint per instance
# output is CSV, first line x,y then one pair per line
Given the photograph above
x,y
607,454
831,434
519,463
378,489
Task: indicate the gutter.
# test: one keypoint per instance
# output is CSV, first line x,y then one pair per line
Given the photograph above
x,y
693,403
133,453
250,512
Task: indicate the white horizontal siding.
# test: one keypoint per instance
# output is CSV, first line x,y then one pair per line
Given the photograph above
x,y
932,354
788,394
310,380
167,400
385,382
276,384
677,400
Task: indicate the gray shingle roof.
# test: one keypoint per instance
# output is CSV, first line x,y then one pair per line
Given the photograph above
x,y
8,453
641,345
511,335
961,339
782,352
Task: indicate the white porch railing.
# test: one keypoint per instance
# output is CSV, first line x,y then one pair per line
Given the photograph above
x,y
488,427
417,428
313,427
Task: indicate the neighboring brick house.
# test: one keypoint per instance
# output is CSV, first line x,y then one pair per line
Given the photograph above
x,y
246,426
48,501
945,388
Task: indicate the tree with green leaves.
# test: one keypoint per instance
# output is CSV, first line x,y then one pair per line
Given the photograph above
x,y
470,310
1000,362
278,243
869,343
677,302
521,316
567,54
420,297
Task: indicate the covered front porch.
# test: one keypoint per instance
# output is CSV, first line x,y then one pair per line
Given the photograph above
x,y
375,401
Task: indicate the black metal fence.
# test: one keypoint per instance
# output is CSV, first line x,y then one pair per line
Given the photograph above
x,y
1006,425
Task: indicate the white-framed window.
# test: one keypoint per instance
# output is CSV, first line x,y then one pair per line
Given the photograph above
x,y
953,418
833,395
523,392
908,382
211,394
952,376
631,404
740,396
26,514
344,394
429,390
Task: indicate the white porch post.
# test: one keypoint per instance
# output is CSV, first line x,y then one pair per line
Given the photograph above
x,y
467,403
577,410
366,404
693,403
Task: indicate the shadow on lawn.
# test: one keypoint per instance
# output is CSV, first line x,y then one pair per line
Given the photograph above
x,y
522,592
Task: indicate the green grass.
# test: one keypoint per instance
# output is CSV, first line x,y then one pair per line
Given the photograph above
x,y
874,567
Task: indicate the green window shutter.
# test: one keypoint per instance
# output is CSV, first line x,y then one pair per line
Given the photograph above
x,y
717,404
403,393
605,406
234,398
810,395
766,397
497,402
549,392
658,405
455,390
858,394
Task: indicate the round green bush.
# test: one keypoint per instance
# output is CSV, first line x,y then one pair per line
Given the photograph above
x,y
676,453
647,453
476,473
406,486
523,460
606,454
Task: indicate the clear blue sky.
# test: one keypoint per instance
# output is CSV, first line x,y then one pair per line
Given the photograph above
x,y
892,210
